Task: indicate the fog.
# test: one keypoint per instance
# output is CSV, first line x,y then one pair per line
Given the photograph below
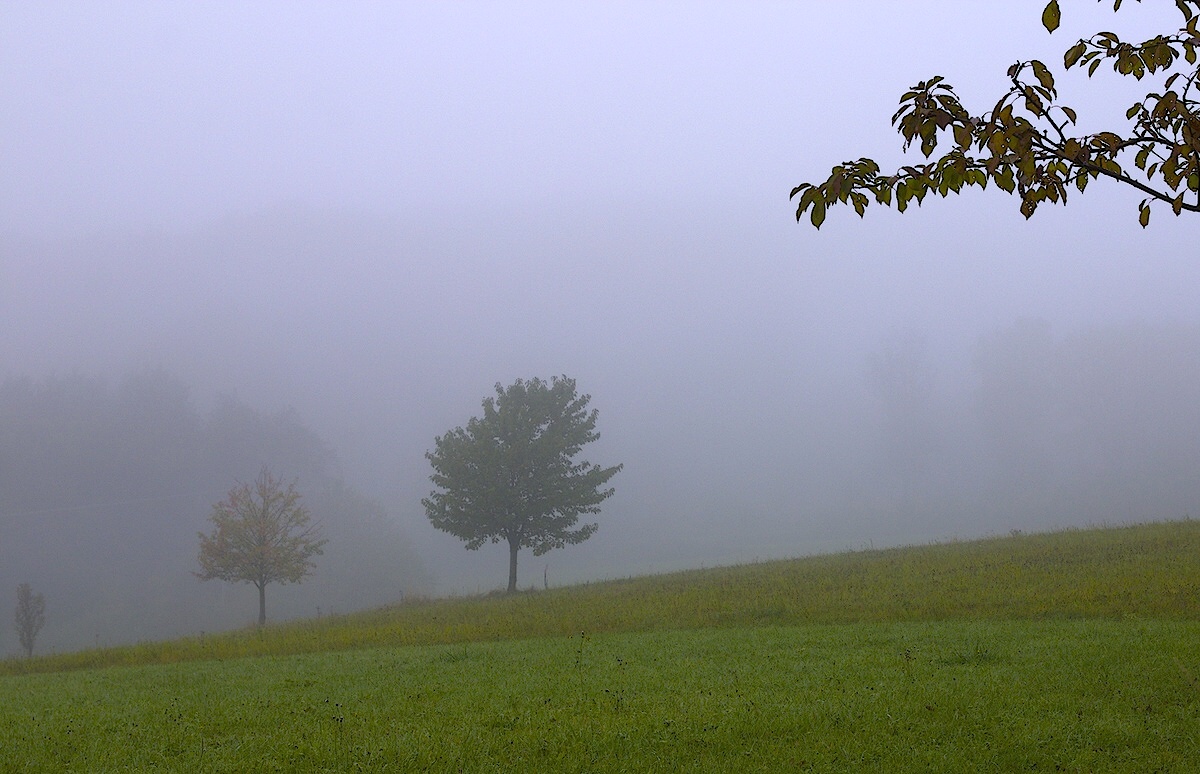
x,y
362,218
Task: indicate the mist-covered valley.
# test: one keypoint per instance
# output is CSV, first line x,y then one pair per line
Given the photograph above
x,y
755,418
315,236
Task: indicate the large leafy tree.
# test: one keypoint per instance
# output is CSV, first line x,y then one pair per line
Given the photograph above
x,y
261,535
1025,144
511,475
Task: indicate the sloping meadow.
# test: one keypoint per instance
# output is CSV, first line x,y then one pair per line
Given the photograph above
x,y
1146,570
1069,651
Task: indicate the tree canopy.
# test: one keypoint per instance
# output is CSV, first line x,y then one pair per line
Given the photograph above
x,y
511,475
1025,144
261,535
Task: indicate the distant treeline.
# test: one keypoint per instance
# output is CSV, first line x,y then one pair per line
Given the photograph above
x,y
1099,426
103,489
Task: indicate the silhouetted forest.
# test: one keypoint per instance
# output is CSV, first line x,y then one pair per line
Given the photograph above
x,y
1096,426
104,487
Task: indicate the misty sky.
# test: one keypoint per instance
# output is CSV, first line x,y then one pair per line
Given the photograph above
x,y
374,211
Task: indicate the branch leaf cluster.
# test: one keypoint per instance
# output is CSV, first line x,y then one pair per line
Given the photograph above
x,y
1024,144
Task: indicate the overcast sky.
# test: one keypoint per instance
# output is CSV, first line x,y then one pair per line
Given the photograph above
x,y
125,115
375,211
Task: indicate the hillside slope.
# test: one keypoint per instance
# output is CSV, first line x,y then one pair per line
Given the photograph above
x,y
1147,571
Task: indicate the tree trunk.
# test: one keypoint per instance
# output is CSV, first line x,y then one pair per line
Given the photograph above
x,y
262,603
513,546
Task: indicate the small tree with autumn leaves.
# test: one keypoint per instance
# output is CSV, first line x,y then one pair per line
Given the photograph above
x,y
261,535
1025,143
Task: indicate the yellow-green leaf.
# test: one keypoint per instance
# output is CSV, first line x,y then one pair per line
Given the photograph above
x,y
1051,16
1144,216
818,213
1042,73
1073,54
962,135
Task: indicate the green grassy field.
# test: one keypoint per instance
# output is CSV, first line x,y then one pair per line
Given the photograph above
x,y
1075,651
